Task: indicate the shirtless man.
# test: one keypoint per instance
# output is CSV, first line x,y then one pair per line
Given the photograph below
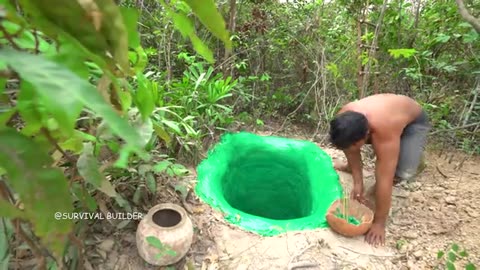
x,y
397,127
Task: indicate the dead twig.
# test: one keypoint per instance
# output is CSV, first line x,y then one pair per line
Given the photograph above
x,y
302,264
9,38
293,265
456,128
41,261
440,172
370,254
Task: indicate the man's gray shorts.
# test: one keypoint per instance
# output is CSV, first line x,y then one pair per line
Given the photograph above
x,y
412,145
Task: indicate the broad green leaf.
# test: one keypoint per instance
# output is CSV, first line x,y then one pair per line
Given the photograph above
x,y
161,166
42,190
47,90
179,169
160,131
470,266
141,60
154,242
201,48
463,253
452,257
89,169
440,254
144,96
65,83
6,115
173,125
114,31
74,144
455,247
24,39
450,266
71,19
407,53
130,19
442,38
206,11
69,56
183,24
82,194
123,203
151,182
471,36
10,211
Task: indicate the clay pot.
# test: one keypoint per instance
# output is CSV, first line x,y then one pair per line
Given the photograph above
x,y
170,224
361,212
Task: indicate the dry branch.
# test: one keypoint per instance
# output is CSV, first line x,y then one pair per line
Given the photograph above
x,y
475,22
456,128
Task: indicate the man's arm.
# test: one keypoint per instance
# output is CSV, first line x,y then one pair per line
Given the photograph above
x,y
387,157
354,159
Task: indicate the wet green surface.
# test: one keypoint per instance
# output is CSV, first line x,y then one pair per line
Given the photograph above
x,y
269,185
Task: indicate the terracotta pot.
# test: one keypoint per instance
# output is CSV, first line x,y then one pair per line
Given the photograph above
x,y
361,212
170,224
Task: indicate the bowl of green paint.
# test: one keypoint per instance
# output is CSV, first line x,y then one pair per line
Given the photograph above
x,y
349,217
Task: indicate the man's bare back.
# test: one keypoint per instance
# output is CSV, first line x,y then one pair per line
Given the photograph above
x,y
387,114
397,127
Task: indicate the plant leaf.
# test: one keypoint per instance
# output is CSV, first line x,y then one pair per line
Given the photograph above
x,y
130,19
89,169
161,166
452,257
450,266
43,190
470,266
440,254
206,11
10,211
455,247
151,182
201,48
33,68
71,19
114,31
155,242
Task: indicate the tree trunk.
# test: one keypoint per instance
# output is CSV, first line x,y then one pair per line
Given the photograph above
x,y
475,22
231,28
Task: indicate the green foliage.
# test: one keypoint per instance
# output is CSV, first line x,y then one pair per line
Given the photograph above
x,y
77,69
29,173
164,250
453,255
407,53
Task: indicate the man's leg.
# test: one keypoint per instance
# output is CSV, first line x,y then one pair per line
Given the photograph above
x,y
412,146
411,158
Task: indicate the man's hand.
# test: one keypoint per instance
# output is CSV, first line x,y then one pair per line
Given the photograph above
x,y
341,166
357,192
376,235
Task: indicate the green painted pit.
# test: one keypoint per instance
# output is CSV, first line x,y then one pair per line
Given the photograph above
x,y
268,184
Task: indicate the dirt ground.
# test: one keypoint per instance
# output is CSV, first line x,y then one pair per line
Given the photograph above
x,y
441,207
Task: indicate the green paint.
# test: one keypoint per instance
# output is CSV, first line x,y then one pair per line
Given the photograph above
x,y
351,219
269,185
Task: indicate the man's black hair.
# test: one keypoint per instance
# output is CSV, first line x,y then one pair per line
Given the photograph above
x,y
348,128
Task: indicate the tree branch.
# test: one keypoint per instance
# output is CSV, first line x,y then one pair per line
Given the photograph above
x,y
475,22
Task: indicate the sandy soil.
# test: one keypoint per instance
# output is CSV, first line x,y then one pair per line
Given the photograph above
x,y
439,208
